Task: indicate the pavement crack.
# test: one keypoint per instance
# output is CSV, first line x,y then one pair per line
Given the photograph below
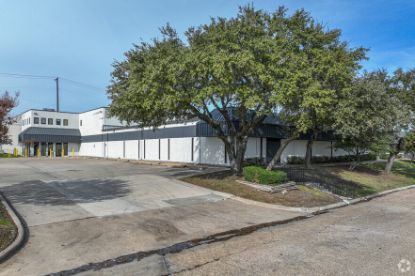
x,y
176,248
166,265
194,267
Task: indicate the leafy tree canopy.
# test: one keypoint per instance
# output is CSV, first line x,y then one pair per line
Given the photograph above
x,y
372,116
255,63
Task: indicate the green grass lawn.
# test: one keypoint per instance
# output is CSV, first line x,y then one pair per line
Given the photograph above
x,y
8,230
371,179
400,167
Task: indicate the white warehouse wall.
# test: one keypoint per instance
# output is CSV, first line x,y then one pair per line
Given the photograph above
x,y
181,149
320,148
131,149
152,149
115,149
92,122
95,149
211,151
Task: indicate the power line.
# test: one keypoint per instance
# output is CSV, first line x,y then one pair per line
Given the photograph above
x,y
82,84
12,75
45,77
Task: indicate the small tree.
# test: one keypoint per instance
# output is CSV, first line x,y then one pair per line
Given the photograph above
x,y
7,103
409,144
372,116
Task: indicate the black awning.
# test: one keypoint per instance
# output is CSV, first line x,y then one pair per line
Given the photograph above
x,y
54,135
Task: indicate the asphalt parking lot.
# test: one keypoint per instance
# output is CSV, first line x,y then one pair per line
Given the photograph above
x,y
79,211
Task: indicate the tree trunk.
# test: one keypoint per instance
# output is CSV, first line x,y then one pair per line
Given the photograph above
x,y
389,163
308,154
238,156
277,157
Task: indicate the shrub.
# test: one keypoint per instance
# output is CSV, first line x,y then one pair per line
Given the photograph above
x,y
262,176
296,160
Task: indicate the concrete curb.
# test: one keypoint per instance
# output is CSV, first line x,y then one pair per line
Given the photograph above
x,y
21,232
316,210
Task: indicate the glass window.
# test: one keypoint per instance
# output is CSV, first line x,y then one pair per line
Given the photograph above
x,y
43,121
58,122
65,122
50,121
36,120
80,122
29,121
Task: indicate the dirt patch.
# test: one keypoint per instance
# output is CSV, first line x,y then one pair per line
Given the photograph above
x,y
303,197
8,230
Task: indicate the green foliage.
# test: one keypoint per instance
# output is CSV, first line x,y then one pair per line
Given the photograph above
x,y
404,83
261,175
372,116
254,63
409,143
297,160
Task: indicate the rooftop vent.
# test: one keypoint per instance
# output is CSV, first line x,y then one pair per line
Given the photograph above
x,y
48,109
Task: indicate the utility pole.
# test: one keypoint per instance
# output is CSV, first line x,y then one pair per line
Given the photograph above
x,y
57,94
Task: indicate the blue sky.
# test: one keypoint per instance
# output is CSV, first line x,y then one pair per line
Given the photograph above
x,y
79,39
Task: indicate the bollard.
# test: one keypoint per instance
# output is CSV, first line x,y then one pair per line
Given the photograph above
x,y
50,153
63,152
38,152
73,152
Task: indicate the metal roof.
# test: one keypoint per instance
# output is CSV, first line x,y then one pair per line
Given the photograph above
x,y
40,134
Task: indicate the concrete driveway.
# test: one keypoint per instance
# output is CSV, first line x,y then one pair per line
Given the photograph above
x,y
86,210
371,238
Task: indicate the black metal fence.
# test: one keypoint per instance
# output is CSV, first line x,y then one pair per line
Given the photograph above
x,y
323,179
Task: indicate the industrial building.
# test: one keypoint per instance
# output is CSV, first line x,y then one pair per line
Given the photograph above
x,y
38,133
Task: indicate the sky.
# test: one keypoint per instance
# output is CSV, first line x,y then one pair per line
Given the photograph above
x,y
78,40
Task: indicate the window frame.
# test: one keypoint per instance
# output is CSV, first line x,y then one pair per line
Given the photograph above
x,y
50,121
58,121
65,122
43,121
36,120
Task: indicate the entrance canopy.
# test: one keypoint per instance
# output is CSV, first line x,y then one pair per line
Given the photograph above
x,y
52,135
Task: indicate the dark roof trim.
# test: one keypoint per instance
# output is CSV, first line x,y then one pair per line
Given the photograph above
x,y
57,135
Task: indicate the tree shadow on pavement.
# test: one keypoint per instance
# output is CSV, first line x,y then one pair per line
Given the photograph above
x,y
65,192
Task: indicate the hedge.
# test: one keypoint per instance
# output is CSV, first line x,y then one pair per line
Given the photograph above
x,y
326,159
260,175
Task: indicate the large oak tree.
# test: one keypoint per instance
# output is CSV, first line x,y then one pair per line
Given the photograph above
x,y
243,68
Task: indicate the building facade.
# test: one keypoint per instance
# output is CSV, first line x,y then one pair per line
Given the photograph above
x,y
94,133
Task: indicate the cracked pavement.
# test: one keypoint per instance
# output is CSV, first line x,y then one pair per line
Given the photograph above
x,y
81,211
369,238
